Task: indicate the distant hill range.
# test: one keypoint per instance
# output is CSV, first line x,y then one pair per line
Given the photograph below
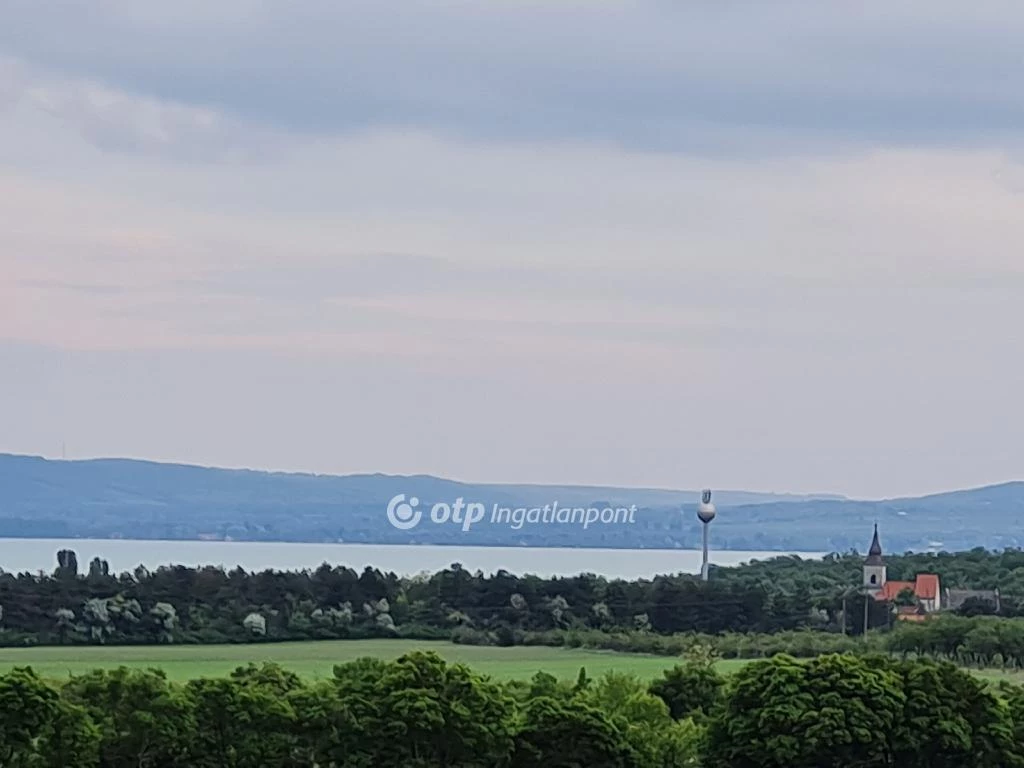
x,y
121,498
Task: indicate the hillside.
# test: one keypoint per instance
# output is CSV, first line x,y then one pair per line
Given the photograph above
x,y
138,499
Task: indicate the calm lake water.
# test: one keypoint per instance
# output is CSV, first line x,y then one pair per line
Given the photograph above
x,y
18,555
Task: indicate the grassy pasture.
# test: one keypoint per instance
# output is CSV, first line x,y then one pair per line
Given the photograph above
x,y
316,659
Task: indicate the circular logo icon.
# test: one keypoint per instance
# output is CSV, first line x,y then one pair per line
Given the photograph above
x,y
403,514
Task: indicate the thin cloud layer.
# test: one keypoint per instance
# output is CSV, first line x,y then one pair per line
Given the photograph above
x,y
745,244
702,77
115,120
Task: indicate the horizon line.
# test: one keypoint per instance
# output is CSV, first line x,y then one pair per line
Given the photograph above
x,y
782,495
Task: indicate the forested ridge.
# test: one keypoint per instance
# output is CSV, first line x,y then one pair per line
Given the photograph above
x,y
420,712
117,498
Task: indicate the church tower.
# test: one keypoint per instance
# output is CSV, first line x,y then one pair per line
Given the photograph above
x,y
874,565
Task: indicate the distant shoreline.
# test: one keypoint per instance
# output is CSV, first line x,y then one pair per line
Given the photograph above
x,y
31,555
412,544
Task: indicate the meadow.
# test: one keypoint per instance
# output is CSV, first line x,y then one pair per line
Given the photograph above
x,y
316,660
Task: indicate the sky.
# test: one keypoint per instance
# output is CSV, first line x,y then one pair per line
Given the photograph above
x,y
765,246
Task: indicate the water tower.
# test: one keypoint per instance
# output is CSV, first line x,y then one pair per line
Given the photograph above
x,y
705,513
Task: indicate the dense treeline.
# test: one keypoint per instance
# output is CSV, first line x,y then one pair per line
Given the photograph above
x,y
206,605
178,604
419,712
974,569
731,645
843,711
981,641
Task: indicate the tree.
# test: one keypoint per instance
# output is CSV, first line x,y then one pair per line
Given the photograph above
x,y
256,624
124,612
570,734
99,570
654,737
97,619
163,621
268,676
544,684
67,565
65,623
1013,695
28,707
977,606
583,681
689,688
328,730
907,597
241,722
950,719
433,713
831,712
559,609
70,740
144,720
209,604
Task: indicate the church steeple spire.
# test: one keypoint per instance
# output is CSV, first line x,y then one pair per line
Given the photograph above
x,y
876,548
875,551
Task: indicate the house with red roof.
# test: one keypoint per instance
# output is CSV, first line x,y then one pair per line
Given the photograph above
x,y
925,587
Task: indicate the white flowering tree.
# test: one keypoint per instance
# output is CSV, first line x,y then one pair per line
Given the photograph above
x,y
164,620
256,624
65,623
97,619
558,606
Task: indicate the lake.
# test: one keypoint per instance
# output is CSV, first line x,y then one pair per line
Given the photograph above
x,y
18,555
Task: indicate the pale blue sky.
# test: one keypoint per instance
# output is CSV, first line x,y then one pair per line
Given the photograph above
x,y
750,245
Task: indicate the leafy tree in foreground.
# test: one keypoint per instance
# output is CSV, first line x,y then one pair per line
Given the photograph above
x,y
240,723
433,713
28,707
328,730
70,740
654,737
832,712
419,712
144,720
950,719
570,734
689,688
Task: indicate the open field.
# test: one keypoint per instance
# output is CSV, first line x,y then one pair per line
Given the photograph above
x,y
317,659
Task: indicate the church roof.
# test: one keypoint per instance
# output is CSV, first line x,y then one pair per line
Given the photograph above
x,y
891,589
926,587
875,551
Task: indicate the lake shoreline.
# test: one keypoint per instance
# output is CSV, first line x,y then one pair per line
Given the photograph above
x,y
31,555
416,544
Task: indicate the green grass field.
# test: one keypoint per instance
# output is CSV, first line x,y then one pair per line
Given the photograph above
x,y
317,659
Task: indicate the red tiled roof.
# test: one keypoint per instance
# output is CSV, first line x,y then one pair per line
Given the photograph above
x,y
891,589
925,588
